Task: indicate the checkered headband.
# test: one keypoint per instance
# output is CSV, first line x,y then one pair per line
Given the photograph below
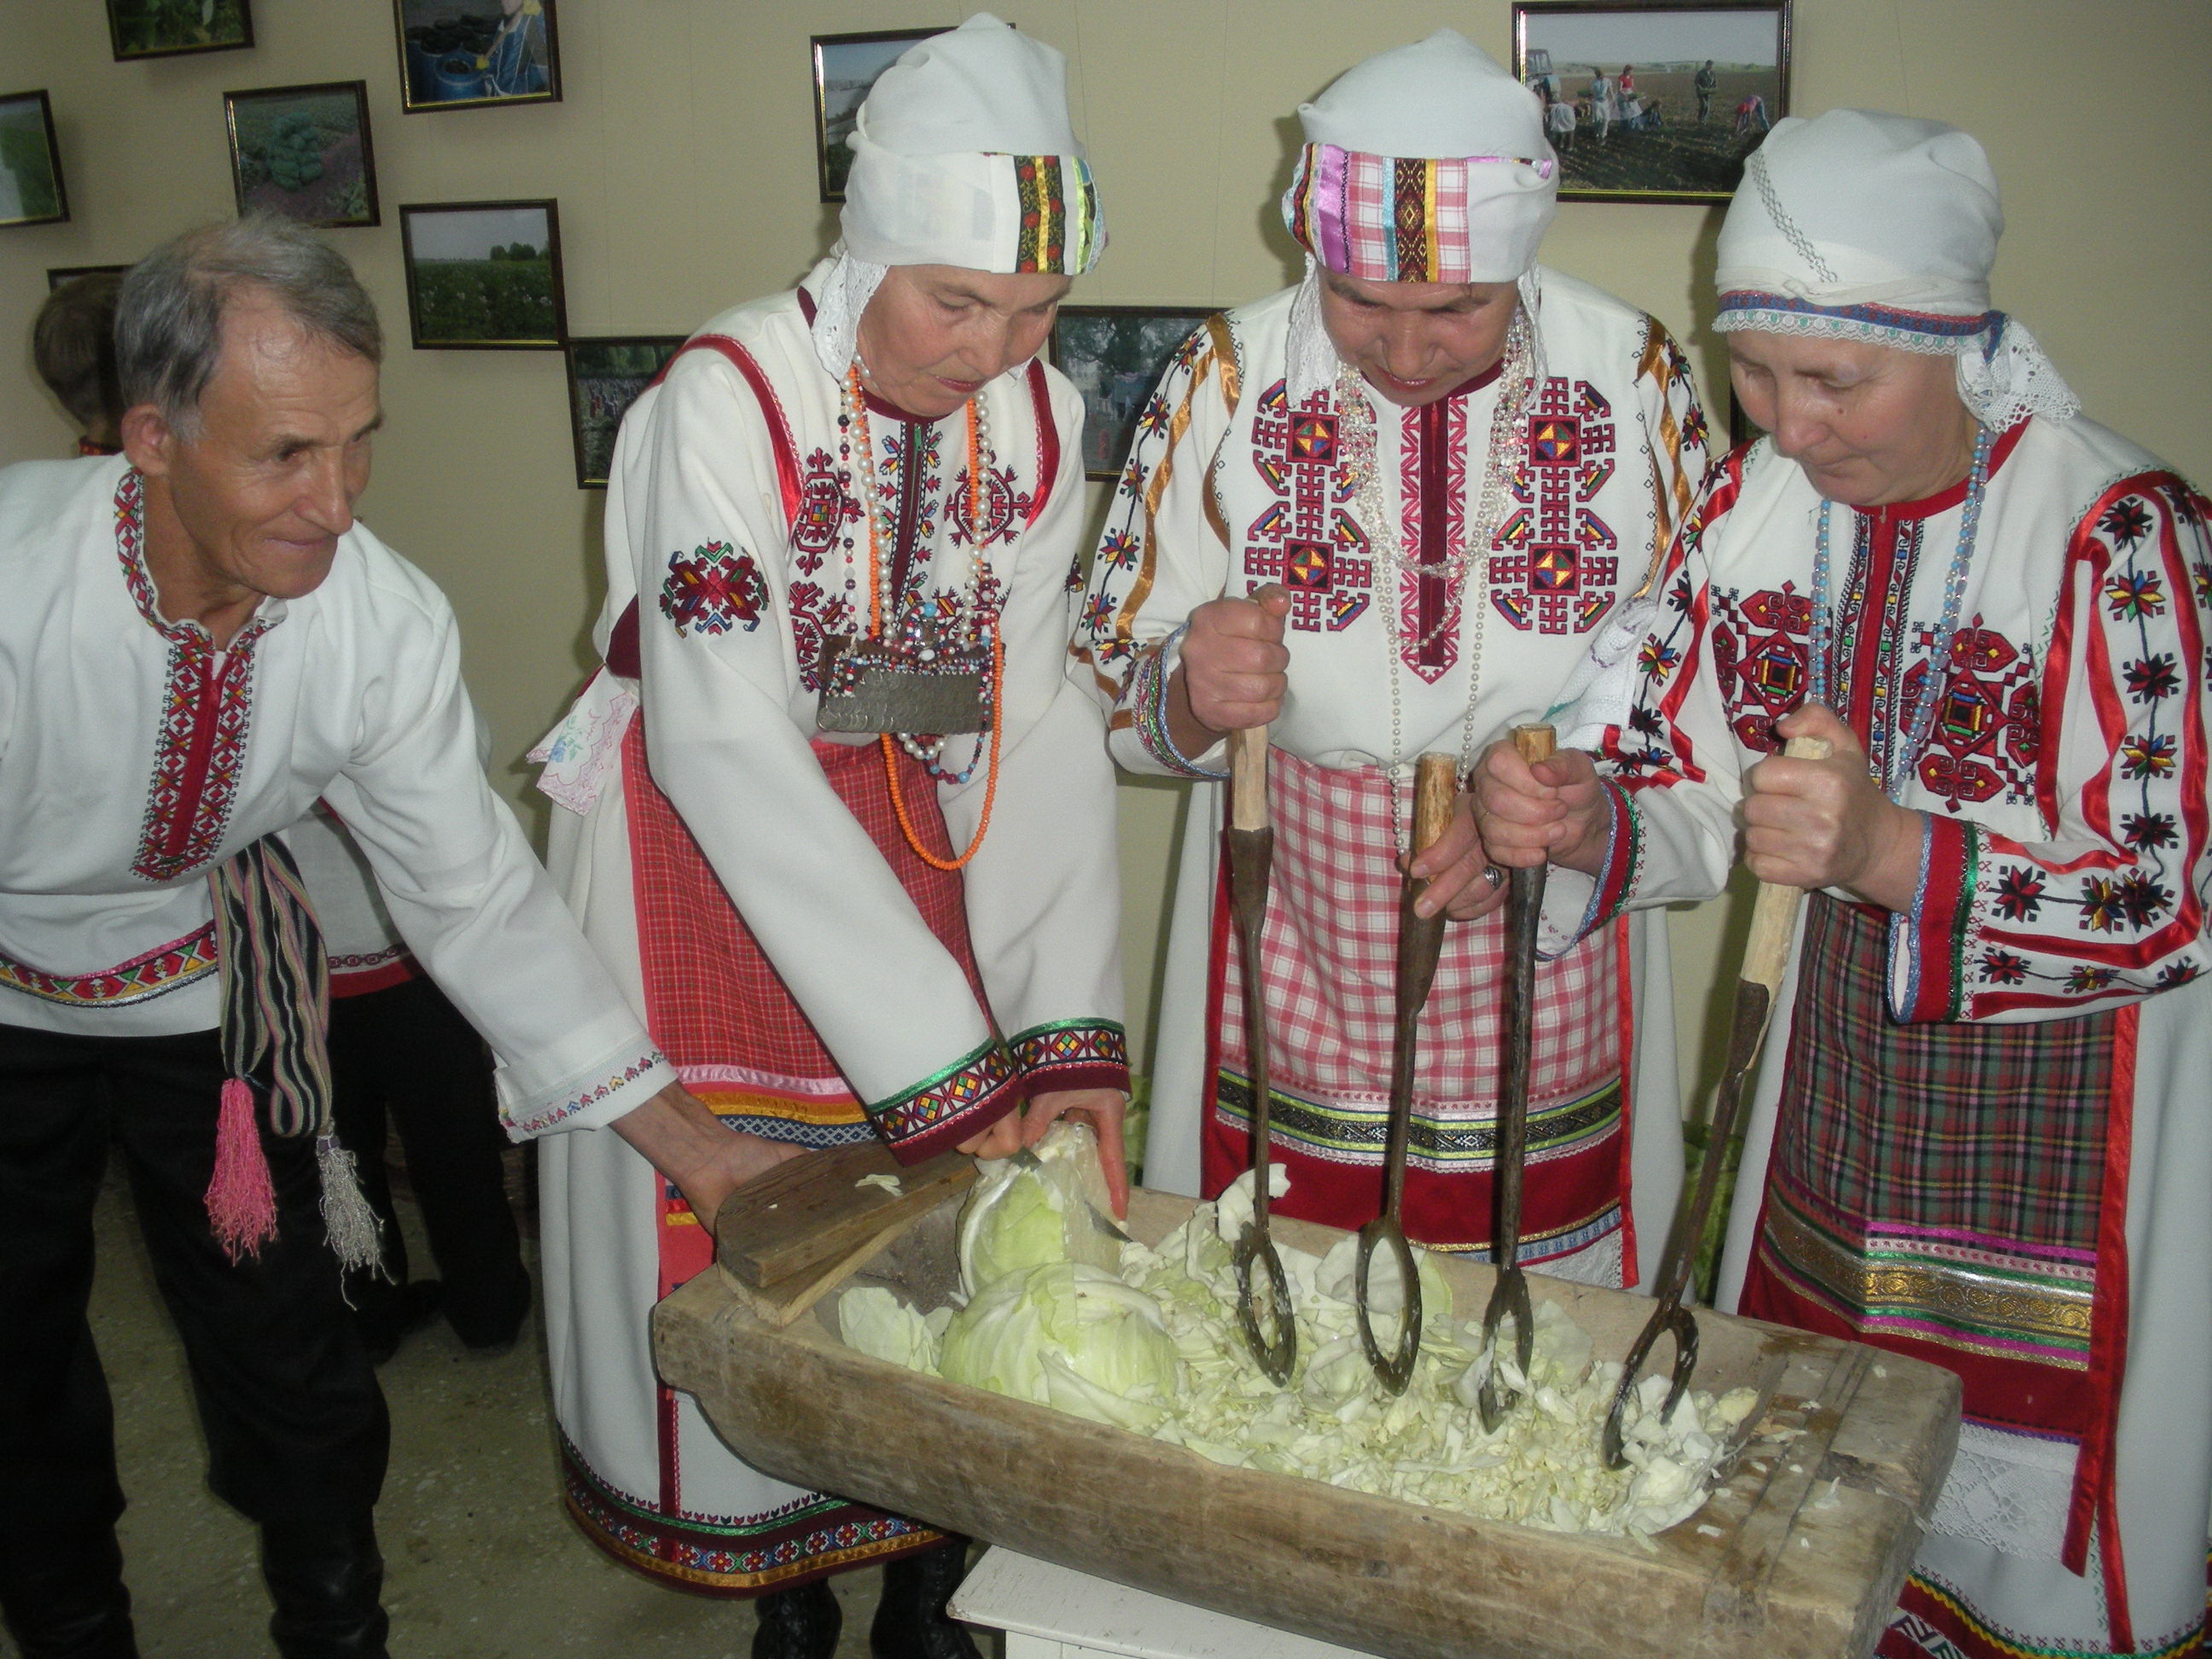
x,y
1420,219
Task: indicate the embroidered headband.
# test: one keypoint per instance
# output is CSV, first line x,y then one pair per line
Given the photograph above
x,y
1416,219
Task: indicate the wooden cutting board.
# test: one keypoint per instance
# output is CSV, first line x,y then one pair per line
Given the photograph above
x,y
789,1237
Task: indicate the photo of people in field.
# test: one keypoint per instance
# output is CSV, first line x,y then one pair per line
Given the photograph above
x,y
1653,103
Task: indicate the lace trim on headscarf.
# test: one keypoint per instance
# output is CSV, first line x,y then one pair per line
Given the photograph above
x,y
2003,375
1311,358
846,291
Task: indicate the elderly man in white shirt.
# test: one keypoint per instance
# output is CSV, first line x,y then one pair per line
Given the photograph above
x,y
200,642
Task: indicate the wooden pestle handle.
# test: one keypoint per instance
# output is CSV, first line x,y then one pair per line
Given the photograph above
x,y
1774,912
1436,789
1247,778
1536,743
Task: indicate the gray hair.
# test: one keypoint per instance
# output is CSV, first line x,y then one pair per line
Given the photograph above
x,y
168,320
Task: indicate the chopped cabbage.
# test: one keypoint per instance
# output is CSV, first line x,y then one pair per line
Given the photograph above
x,y
1158,1349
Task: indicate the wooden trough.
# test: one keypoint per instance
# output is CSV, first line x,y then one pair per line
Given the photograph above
x,y
1798,1554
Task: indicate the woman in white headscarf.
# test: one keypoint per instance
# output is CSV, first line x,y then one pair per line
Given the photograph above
x,y
835,817
1387,511
1979,1136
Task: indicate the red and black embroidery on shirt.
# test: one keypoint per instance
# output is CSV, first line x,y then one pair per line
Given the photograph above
x,y
207,711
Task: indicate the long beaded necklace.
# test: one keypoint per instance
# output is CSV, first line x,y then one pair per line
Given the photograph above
x,y
1385,528
1920,712
915,623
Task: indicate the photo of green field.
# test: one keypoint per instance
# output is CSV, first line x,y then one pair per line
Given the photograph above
x,y
484,275
303,152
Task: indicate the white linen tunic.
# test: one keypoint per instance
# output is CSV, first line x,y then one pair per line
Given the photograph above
x,y
1228,487
740,459
2064,874
134,758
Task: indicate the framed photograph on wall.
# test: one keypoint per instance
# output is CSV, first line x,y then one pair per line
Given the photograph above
x,y
1115,355
303,152
30,190
606,374
845,67
170,28
476,54
484,276
1656,102
57,275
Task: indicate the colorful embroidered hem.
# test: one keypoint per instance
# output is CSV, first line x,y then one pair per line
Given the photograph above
x,y
358,973
159,971
1073,1054
1934,1622
584,1099
1334,1151
962,1100
733,1557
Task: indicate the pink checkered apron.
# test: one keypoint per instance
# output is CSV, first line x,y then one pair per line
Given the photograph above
x,y
1329,952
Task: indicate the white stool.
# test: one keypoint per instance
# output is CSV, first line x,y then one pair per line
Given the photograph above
x,y
1056,1613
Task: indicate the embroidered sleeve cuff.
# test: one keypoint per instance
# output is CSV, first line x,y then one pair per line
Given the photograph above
x,y
1074,1054
960,1102
590,1100
1147,704
1603,897
1928,943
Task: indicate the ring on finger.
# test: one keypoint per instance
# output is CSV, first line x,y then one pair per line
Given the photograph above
x,y
1494,875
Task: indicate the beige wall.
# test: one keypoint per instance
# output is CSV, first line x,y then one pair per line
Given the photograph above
x,y
682,159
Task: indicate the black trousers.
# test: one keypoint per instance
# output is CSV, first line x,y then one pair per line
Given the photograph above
x,y
296,1430
404,1056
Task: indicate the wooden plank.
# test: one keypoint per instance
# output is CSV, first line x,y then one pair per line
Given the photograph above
x,y
782,1302
812,1210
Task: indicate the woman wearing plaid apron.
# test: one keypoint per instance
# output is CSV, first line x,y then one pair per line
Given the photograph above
x,y
1439,473
1979,1137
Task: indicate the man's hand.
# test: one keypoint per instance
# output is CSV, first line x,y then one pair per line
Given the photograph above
x,y
707,1161
1104,1110
1234,672
1456,869
1554,810
1824,822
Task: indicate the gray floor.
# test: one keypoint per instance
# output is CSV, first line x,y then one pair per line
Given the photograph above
x,y
482,1562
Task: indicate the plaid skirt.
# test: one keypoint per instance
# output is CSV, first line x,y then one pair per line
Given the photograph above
x,y
1957,1193
1330,972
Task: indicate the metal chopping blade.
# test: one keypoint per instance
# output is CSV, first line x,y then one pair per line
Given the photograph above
x,y
1766,960
1251,859
1511,1293
1420,939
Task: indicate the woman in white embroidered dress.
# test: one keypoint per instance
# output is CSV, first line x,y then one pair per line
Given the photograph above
x,y
839,528
1979,1136
1384,512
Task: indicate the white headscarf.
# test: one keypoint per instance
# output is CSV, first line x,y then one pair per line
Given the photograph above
x,y
1865,225
1425,163
963,154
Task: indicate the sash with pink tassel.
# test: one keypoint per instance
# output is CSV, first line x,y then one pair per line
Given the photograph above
x,y
276,1002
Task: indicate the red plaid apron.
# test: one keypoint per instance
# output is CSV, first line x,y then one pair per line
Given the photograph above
x,y
1330,966
715,1002
1955,1192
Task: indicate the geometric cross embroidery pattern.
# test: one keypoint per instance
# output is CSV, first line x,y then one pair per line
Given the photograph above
x,y
1761,644
715,587
1305,538
1554,563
